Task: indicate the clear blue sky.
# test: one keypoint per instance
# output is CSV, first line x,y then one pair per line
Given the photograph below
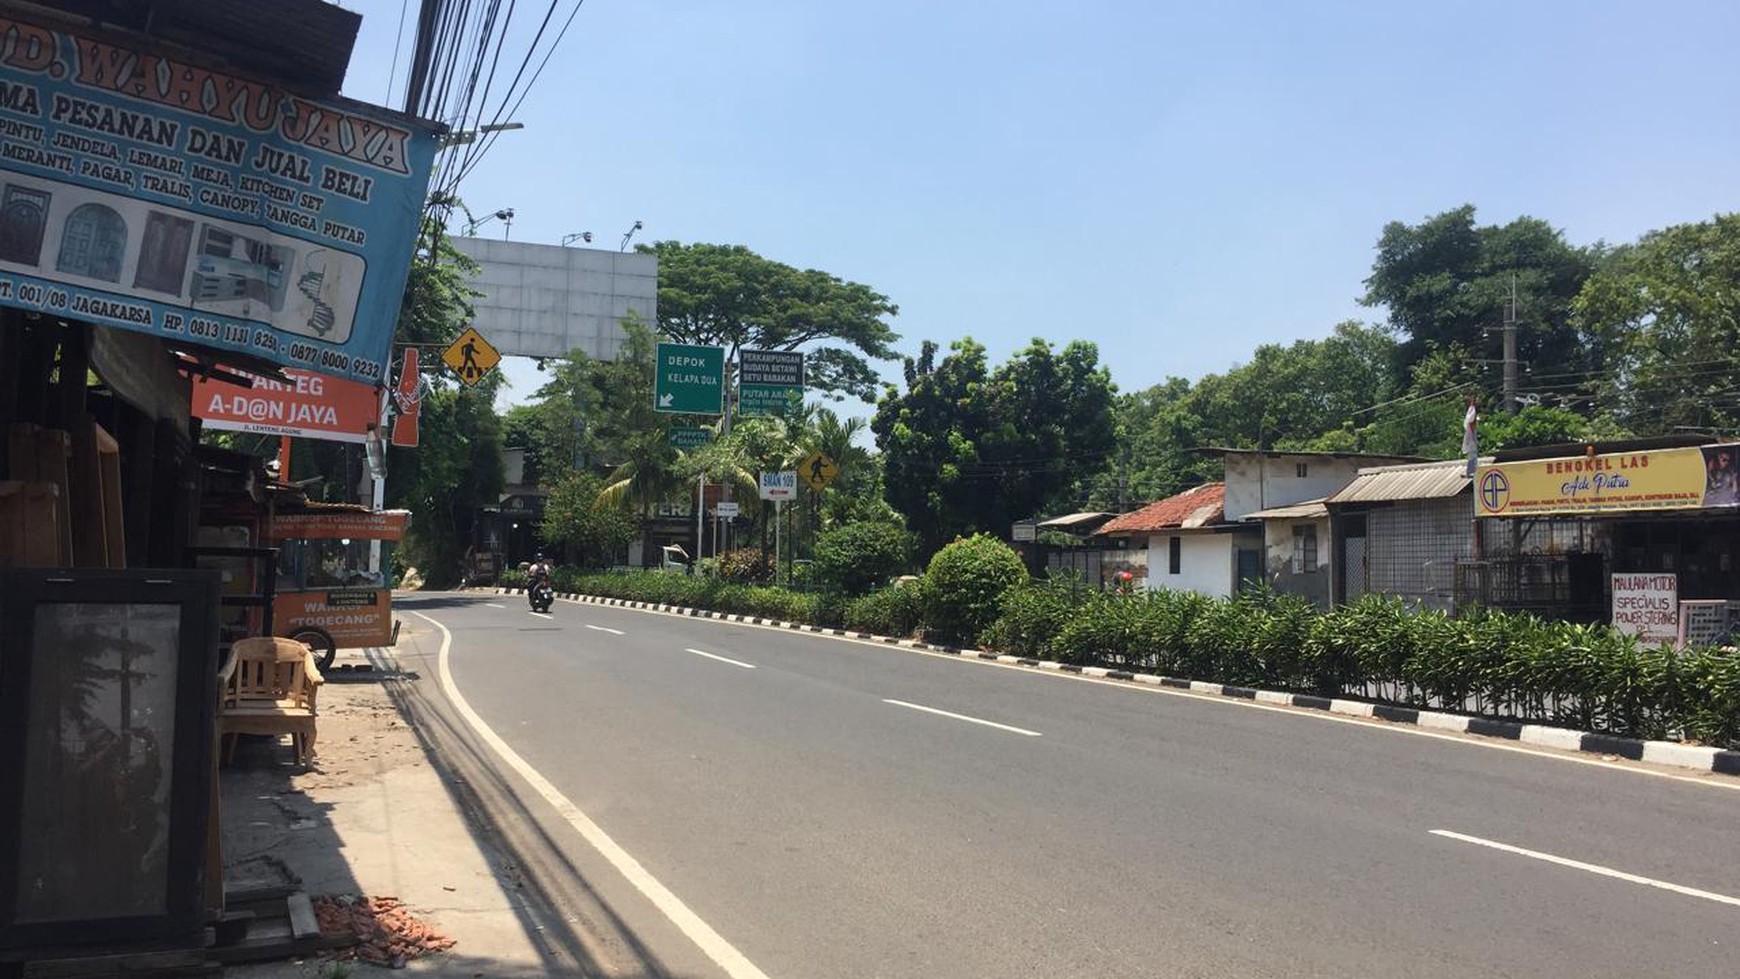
x,y
1177,182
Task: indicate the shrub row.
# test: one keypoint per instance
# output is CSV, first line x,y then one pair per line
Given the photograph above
x,y
1502,664
1507,665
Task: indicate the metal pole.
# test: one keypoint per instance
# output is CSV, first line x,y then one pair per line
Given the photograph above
x,y
778,511
724,433
380,481
1510,350
700,515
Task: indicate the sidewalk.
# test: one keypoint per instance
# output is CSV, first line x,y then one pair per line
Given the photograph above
x,y
376,817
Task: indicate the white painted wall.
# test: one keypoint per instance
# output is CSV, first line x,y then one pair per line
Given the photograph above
x,y
1256,483
1278,541
1206,564
545,300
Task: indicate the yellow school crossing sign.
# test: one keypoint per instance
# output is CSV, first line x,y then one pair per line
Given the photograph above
x,y
818,470
471,356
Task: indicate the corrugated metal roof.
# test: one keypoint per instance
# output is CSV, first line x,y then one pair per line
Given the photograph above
x,y
1382,484
1193,508
1298,511
1087,519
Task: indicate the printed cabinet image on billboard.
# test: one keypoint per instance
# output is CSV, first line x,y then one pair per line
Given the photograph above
x,y
140,192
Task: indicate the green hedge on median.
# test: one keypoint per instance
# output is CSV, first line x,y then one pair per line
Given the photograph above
x,y
1496,664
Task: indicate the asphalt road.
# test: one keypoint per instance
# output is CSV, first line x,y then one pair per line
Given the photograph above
x,y
802,795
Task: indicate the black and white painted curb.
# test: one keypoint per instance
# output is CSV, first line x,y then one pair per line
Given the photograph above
x,y
1695,757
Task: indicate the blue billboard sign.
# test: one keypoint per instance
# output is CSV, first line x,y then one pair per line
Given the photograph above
x,y
154,194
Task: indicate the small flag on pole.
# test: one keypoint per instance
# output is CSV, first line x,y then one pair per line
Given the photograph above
x,y
1470,438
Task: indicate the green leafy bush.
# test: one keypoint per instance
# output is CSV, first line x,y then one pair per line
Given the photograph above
x,y
1032,615
965,582
745,564
894,611
857,557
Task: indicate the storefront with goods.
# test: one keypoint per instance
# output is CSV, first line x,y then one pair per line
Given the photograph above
x,y
1644,534
170,214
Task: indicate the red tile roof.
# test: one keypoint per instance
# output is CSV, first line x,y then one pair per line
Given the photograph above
x,y
1197,507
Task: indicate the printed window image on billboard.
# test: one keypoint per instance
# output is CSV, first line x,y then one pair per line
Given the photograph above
x,y
140,192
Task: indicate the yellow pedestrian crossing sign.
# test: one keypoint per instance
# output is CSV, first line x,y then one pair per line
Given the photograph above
x,y
471,356
818,470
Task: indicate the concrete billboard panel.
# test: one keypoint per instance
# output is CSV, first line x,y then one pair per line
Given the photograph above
x,y
547,300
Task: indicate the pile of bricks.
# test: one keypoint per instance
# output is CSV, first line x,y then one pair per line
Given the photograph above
x,y
387,933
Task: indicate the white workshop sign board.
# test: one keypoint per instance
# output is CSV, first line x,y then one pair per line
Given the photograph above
x,y
1647,606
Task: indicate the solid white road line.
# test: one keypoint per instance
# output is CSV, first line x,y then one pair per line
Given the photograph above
x,y
1590,867
963,717
722,659
494,605
1360,713
722,952
600,628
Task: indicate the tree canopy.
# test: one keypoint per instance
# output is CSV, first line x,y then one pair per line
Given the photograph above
x,y
966,449
1445,283
727,295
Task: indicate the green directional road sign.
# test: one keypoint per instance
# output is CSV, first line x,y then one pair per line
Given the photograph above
x,y
684,437
768,381
690,379
766,399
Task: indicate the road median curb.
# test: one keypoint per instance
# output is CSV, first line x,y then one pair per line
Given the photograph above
x,y
1670,753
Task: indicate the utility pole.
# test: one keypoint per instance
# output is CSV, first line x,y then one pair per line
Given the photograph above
x,y
1510,350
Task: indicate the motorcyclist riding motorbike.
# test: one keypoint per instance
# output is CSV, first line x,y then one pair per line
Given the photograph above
x,y
540,593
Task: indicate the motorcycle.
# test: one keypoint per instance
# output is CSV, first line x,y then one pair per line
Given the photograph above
x,y
541,595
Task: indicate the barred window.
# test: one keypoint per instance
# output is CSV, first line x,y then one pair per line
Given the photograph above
x,y
1304,548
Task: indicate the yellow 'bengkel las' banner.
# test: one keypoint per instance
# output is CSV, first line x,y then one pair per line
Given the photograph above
x,y
1660,479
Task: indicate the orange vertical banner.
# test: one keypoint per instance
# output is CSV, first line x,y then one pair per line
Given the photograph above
x,y
407,402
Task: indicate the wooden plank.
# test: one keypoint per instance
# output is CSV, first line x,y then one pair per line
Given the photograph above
x,y
21,452
137,466
90,545
41,526
262,950
11,523
114,501
28,527
53,458
302,920
177,962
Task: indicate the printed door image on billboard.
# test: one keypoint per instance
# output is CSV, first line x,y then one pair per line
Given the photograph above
x,y
23,219
163,253
93,243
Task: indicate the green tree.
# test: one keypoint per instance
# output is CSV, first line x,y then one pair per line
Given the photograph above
x,y
622,432
456,470
1670,307
729,296
1445,283
458,467
965,449
1285,397
1533,425
857,557
589,535
856,492
927,440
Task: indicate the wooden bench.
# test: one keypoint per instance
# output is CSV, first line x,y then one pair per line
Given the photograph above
x,y
268,687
